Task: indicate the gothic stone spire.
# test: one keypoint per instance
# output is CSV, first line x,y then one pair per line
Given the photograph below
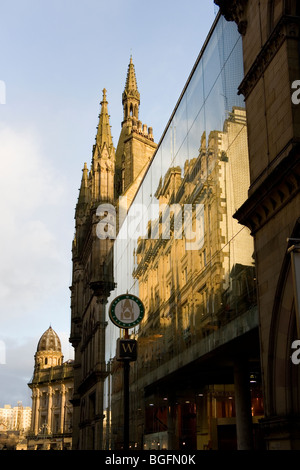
x,y
104,133
131,95
103,161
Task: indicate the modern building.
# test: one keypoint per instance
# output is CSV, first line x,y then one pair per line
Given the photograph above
x,y
270,33
17,418
113,173
52,389
196,381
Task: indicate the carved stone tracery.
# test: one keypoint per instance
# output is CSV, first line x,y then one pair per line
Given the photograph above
x,y
287,28
273,195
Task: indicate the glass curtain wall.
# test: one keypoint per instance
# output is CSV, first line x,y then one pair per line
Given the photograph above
x,y
180,250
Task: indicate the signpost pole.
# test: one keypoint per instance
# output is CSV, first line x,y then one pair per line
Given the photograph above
x,y
126,405
126,366
126,311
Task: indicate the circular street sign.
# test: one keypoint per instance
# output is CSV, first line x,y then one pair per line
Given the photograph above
x,y
126,311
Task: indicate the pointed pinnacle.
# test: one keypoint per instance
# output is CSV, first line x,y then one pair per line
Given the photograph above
x,y
104,96
131,88
103,132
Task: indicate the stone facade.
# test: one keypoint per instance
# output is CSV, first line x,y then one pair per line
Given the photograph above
x,y
271,37
112,174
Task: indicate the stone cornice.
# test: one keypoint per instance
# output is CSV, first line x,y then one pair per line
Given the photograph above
x,y
287,27
273,194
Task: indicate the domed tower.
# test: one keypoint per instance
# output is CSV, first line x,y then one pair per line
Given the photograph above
x,y
52,387
48,352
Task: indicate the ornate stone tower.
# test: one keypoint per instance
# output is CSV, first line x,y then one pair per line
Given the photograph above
x,y
136,143
110,175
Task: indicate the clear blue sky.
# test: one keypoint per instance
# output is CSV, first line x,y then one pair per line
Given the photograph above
x,y
56,57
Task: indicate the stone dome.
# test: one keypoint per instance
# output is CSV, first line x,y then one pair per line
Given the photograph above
x,y
49,341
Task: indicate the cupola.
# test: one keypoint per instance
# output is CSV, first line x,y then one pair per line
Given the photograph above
x,y
48,352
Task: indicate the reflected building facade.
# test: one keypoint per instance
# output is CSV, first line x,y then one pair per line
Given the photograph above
x,y
196,381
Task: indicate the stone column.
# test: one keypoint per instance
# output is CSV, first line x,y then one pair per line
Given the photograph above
x,y
202,422
243,405
35,411
49,410
62,409
32,424
172,437
100,367
99,415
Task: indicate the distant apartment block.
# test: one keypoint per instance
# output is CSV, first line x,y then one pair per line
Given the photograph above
x,y
17,418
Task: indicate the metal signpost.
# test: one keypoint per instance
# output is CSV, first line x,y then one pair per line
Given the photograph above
x,y
126,311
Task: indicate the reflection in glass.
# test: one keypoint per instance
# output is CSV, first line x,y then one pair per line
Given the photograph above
x,y
195,95
188,260
179,126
